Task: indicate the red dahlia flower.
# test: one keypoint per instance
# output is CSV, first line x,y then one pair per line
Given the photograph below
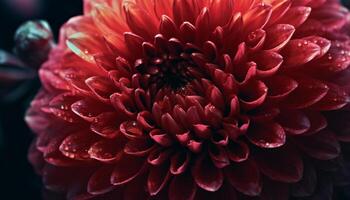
x,y
196,99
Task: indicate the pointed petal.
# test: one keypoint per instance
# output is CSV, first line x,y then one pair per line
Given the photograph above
x,y
280,86
257,17
139,147
295,16
179,163
253,94
294,122
139,21
106,125
335,99
318,122
102,87
322,146
278,36
127,169
311,90
88,109
157,178
284,165
207,175
245,177
268,63
299,52
267,135
107,150
76,145
99,182
238,151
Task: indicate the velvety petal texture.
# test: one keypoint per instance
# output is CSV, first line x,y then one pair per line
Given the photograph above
x,y
195,99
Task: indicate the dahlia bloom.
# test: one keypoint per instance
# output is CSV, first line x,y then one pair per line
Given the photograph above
x,y
196,99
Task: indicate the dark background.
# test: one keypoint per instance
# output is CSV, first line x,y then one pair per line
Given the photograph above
x,y
17,179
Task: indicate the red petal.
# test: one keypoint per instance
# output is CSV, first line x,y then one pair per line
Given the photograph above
x,y
294,122
157,178
253,94
310,90
295,16
99,183
106,125
202,131
243,5
107,150
280,86
158,156
318,122
145,119
195,146
279,9
256,39
300,51
168,27
278,36
101,87
127,169
238,151
217,7
139,21
88,109
182,187
184,11
134,43
284,165
267,135
170,125
188,32
335,99
322,42
263,114
337,59
218,156
268,63
59,107
257,17
245,177
179,163
203,25
76,145
139,147
161,137
85,46
163,7
132,130
207,175
322,146
135,190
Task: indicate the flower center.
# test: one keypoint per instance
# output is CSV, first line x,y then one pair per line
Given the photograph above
x,y
167,72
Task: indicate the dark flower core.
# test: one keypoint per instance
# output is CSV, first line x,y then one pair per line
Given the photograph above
x,y
169,71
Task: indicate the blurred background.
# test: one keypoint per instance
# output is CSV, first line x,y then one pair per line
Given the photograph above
x,y
17,178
